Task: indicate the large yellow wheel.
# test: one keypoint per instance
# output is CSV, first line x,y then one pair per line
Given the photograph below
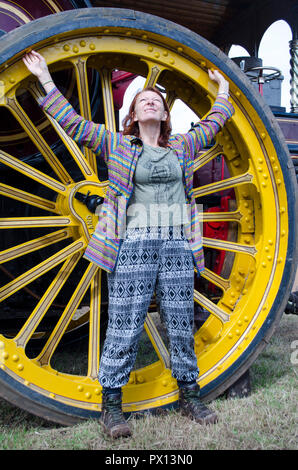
x,y
48,289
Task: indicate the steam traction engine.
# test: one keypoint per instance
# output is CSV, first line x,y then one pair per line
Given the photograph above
x,y
53,302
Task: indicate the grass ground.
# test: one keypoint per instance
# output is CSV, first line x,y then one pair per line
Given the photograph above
x,y
266,420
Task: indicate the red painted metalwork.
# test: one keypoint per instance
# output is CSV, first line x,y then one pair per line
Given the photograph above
x,y
219,231
120,82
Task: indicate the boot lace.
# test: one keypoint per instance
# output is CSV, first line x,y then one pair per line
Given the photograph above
x,y
114,410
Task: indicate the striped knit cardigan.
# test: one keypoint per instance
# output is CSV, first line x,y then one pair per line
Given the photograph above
x,y
121,154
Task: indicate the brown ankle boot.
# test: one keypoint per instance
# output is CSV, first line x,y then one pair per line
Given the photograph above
x,y
112,417
191,405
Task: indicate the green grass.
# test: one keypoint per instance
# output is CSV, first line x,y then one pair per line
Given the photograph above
x,y
267,419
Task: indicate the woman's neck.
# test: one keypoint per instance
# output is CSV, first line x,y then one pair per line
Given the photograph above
x,y
149,133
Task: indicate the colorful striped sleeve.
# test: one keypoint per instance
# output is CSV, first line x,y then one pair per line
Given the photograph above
x,y
205,130
84,132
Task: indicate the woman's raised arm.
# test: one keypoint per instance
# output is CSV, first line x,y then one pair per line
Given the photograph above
x,y
205,130
84,132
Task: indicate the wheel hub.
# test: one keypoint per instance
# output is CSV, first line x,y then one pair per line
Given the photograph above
x,y
84,203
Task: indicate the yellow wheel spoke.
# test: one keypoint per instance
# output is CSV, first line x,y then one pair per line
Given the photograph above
x,y
219,281
80,65
27,198
94,327
30,222
157,341
229,246
154,71
29,276
171,98
207,156
211,307
31,172
38,140
54,339
224,184
108,102
33,245
234,216
71,146
46,300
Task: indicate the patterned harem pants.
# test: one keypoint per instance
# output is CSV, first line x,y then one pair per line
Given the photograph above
x,y
148,261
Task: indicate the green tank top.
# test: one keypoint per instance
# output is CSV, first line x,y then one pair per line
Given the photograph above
x,y
158,198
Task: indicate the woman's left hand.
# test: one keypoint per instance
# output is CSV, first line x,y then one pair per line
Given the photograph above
x,y
217,77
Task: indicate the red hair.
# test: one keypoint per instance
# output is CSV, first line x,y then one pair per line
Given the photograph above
x,y
131,127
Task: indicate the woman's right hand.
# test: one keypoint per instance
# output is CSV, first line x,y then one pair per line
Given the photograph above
x,y
36,64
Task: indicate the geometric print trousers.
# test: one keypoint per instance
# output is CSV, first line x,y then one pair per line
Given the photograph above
x,y
150,261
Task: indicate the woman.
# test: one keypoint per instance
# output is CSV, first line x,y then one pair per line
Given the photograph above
x,y
145,238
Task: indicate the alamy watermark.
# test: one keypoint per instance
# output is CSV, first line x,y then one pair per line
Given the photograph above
x,y
116,219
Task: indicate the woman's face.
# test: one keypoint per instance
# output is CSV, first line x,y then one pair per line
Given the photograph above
x,y
149,107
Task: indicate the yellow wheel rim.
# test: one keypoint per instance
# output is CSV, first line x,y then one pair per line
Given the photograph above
x,y
256,254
